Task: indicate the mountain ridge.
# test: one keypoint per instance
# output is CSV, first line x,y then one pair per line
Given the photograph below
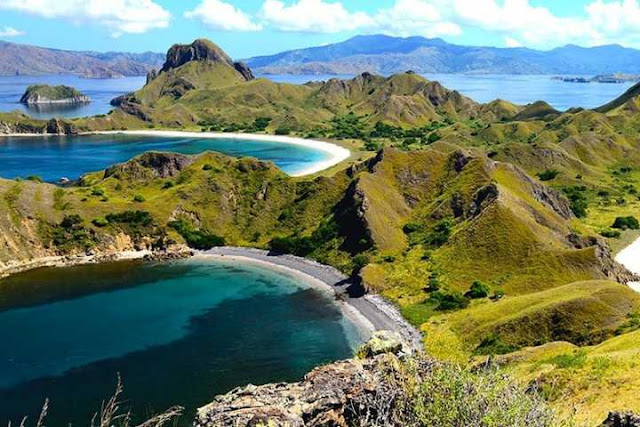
x,y
388,55
22,59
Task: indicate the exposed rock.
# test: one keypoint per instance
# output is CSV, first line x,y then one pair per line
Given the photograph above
x,y
119,100
332,395
622,419
151,165
382,342
60,127
607,263
460,160
151,76
202,50
483,198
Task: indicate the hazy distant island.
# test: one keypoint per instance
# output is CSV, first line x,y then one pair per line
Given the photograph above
x,y
45,94
603,78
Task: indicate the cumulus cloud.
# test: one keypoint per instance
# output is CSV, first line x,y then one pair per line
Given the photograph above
x,y
221,16
119,16
415,17
10,32
511,42
312,16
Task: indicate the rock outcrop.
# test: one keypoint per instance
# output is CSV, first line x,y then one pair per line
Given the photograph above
x,y
151,165
202,50
332,395
622,419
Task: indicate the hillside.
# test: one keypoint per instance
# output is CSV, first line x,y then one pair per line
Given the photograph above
x,y
389,55
489,225
32,60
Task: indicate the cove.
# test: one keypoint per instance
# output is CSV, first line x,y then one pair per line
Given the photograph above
x,y
178,333
55,157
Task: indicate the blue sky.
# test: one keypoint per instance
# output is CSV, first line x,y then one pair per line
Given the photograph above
x,y
250,27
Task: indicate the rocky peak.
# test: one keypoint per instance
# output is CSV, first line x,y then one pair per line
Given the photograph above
x,y
202,50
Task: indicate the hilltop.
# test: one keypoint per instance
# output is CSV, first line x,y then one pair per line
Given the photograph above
x,y
20,59
389,55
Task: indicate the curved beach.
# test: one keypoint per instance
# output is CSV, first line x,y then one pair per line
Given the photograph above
x,y
370,312
336,153
630,258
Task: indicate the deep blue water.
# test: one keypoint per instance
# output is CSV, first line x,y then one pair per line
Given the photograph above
x,y
54,157
519,89
101,92
178,333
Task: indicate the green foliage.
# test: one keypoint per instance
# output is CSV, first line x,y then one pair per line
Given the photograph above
x,y
305,245
348,126
578,200
611,234
35,178
283,131
548,175
435,237
261,123
70,234
138,198
98,192
433,137
574,360
100,222
167,185
207,167
447,301
626,223
197,239
478,290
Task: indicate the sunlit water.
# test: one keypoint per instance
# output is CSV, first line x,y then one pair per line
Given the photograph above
x,y
178,333
55,157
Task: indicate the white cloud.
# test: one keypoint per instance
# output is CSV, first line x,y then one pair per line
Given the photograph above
x,y
615,22
414,17
222,16
511,42
312,16
10,32
119,16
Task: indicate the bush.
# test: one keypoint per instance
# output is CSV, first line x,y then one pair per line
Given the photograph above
x,y
100,222
167,185
196,239
138,198
283,131
99,192
626,223
207,167
449,301
577,200
548,175
433,137
478,290
611,234
34,178
493,345
141,218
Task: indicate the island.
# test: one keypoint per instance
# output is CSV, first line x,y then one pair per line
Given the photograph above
x,y
46,94
602,78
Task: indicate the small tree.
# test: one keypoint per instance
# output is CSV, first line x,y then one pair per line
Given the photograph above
x,y
478,290
626,223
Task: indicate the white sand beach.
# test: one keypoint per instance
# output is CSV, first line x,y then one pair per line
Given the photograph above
x,y
336,153
630,258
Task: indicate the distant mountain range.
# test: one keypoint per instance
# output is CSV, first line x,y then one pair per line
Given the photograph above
x,y
388,55
32,60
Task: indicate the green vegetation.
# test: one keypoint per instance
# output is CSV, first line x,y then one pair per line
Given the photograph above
x,y
43,93
197,239
626,223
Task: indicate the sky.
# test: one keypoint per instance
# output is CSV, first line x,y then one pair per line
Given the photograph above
x,y
246,28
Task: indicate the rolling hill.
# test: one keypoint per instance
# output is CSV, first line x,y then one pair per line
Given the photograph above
x,y
389,55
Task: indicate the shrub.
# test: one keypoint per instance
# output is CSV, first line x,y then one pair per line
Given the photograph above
x,y
493,345
611,234
548,175
100,222
261,123
34,178
197,239
577,200
138,198
626,223
478,290
167,185
207,167
433,137
97,192
449,301
283,131
141,218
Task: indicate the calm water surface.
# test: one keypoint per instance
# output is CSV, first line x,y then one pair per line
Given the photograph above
x,y
178,333
101,92
54,157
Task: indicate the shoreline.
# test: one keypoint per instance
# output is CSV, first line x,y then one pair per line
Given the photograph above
x,y
336,153
630,258
372,311
368,313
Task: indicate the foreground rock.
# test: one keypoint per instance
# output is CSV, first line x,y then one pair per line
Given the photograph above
x,y
331,395
622,419
45,94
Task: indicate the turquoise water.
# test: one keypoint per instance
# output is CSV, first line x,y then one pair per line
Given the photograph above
x,y
178,333
54,157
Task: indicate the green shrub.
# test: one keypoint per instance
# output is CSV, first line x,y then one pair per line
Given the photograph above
x,y
97,192
449,301
433,137
35,178
493,345
197,239
100,222
478,290
611,234
548,175
574,360
626,223
283,131
138,198
167,185
577,200
207,167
